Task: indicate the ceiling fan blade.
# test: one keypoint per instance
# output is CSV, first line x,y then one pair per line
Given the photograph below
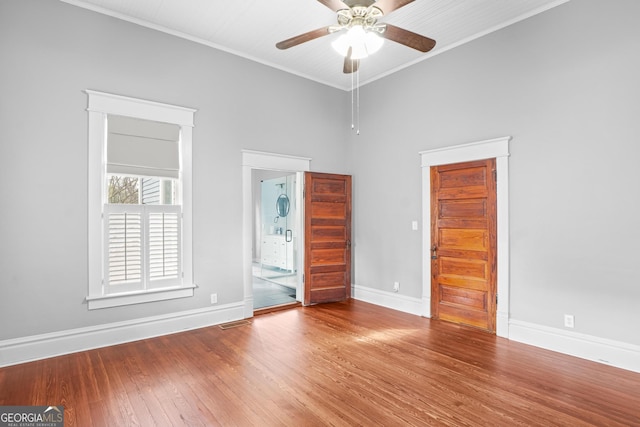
x,y
388,6
311,35
350,65
408,38
334,5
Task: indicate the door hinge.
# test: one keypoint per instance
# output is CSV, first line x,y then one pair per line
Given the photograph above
x,y
303,278
496,299
495,175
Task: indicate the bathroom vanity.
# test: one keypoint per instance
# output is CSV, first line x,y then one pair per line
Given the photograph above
x,y
277,252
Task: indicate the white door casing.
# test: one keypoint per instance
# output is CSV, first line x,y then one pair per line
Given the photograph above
x,y
269,161
495,148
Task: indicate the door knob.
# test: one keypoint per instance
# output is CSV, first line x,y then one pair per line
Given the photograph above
x,y
434,254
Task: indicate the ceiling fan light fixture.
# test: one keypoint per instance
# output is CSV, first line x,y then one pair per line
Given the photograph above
x,y
362,42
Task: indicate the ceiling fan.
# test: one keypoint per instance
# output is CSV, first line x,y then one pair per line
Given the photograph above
x,y
363,31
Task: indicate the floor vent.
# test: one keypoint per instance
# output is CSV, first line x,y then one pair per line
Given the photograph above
x,y
234,324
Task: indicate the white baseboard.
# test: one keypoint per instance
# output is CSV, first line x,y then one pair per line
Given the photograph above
x,y
21,350
502,324
609,352
388,299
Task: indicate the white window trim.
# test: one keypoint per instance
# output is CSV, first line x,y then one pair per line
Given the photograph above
x,y
100,105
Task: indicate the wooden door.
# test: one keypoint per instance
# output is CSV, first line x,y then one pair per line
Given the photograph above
x,y
327,233
463,243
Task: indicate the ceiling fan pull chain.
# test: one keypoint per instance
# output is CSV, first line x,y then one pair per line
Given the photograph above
x,y
358,102
355,102
352,104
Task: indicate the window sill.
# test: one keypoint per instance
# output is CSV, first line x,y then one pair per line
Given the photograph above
x,y
117,300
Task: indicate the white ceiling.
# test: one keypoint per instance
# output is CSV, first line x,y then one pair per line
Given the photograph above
x,y
251,28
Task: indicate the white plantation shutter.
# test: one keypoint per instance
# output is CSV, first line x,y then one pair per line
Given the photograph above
x,y
135,233
164,245
124,238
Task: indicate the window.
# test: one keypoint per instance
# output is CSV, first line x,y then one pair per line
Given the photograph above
x,y
139,201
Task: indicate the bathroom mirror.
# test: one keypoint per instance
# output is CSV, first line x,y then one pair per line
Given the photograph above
x,y
282,205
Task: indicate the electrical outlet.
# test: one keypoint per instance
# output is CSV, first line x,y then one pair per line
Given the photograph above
x,y
568,321
214,298
414,225
396,286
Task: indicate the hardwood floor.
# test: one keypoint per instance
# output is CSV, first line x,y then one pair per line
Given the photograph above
x,y
341,364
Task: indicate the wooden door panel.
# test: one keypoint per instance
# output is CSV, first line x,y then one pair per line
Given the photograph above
x,y
463,283
461,254
332,279
327,237
330,209
320,294
462,192
463,225
328,233
329,185
458,238
458,314
466,297
468,177
325,256
463,209
466,268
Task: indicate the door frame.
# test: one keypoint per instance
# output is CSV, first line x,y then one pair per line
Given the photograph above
x,y
270,161
494,148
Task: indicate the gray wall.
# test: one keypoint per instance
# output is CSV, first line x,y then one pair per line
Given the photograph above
x,y
564,84
50,52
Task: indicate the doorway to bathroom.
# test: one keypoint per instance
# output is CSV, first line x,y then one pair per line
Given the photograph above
x,y
276,239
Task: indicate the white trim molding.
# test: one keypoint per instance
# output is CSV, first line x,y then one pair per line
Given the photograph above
x,y
494,148
116,300
274,161
37,347
609,352
270,161
386,299
99,105
109,103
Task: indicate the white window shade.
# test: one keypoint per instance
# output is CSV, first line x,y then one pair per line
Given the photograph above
x,y
142,147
